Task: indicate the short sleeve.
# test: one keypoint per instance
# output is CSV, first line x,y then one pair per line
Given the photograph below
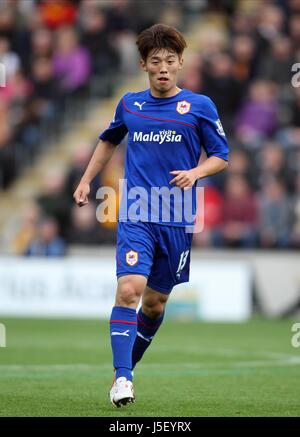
x,y
213,138
117,128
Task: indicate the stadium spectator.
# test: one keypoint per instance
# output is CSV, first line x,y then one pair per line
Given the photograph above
x,y
275,215
8,58
251,128
289,136
42,43
7,163
270,26
239,224
241,165
212,219
31,217
97,38
48,243
7,21
242,22
294,30
112,173
84,228
53,200
193,79
271,163
58,13
243,55
277,65
80,159
5,131
122,16
71,61
295,230
44,88
220,85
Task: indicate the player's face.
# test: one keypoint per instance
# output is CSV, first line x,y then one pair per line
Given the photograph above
x,y
162,67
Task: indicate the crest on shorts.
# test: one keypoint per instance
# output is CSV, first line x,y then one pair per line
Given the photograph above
x,y
132,257
183,107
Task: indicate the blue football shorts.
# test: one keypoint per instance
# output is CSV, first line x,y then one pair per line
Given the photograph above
x,y
159,252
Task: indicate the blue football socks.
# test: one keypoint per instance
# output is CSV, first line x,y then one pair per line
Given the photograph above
x,y
123,327
146,329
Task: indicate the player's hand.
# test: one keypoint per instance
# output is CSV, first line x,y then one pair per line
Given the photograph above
x,y
81,194
183,178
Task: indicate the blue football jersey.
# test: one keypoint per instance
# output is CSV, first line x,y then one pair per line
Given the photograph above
x,y
164,134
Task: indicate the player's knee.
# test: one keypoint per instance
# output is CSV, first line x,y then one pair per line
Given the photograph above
x,y
127,294
153,309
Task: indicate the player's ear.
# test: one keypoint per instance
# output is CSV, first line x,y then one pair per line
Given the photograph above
x,y
180,62
143,65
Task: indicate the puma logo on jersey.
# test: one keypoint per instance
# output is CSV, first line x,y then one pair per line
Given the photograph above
x,y
140,105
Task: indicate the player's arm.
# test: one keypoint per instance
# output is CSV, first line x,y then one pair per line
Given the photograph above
x,y
112,136
102,154
187,178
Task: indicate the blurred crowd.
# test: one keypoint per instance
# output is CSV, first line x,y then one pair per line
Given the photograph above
x,y
57,54
243,60
249,75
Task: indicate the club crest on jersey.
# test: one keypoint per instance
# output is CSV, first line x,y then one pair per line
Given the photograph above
x,y
183,107
132,257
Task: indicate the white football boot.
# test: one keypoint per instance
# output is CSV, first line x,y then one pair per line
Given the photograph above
x,y
121,392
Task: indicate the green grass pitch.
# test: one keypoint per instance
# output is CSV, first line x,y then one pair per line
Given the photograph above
x,y
63,368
